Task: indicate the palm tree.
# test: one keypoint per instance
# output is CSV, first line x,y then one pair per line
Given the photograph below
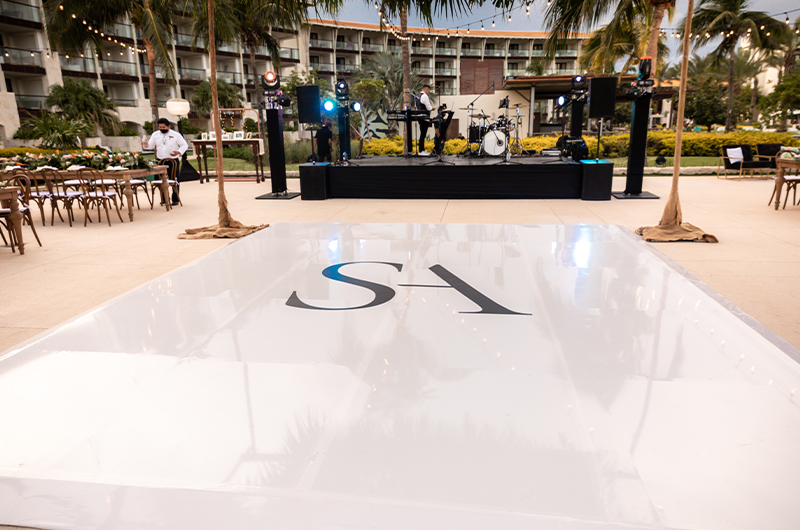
x,y
629,39
78,100
228,96
153,18
565,17
57,132
536,67
729,20
388,68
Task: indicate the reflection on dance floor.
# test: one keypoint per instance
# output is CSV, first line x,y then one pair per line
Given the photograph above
x,y
400,376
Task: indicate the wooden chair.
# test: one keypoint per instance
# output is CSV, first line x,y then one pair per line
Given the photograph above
x,y
96,193
60,193
137,184
727,163
37,195
156,185
23,182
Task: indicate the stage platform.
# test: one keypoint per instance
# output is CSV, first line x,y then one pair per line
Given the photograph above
x,y
406,376
397,177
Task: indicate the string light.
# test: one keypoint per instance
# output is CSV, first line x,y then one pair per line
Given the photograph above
x,y
492,22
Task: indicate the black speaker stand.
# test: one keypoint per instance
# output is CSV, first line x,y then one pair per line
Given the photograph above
x,y
283,195
439,161
642,195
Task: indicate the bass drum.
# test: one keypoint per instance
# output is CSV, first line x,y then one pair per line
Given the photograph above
x,y
495,143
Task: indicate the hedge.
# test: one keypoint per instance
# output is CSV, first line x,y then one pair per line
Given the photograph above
x,y
15,151
616,146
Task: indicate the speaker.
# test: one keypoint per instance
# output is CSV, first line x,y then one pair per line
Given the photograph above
x,y
308,110
597,177
313,182
602,97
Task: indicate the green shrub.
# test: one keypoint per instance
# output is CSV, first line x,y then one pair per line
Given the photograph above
x,y
15,151
250,125
188,128
128,132
244,152
148,127
298,152
24,133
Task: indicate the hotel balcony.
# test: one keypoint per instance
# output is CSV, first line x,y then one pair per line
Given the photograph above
x,y
322,67
30,102
320,43
444,50
421,50
469,52
372,48
423,72
519,53
78,67
121,68
13,11
446,72
494,53
233,78
347,46
19,57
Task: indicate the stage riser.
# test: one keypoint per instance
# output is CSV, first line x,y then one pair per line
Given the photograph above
x,y
540,181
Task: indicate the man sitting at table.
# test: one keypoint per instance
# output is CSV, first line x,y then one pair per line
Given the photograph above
x,y
169,147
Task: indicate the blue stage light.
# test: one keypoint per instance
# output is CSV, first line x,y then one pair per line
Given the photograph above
x,y
328,105
356,106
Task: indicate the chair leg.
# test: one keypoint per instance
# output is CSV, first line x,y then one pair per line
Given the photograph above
x,y
117,208
85,212
105,207
146,194
178,195
40,202
27,216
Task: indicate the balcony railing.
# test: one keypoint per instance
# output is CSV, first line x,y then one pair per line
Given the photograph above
x,y
322,67
20,11
494,53
25,101
193,74
183,39
119,30
514,73
234,78
372,47
346,68
566,53
422,71
447,92
349,46
321,43
17,56
394,48
421,50
518,53
121,102
537,53
469,52
290,53
77,64
230,48
445,71
120,68
444,50
571,71
161,72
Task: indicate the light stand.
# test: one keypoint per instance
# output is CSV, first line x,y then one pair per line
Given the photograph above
x,y
641,93
274,103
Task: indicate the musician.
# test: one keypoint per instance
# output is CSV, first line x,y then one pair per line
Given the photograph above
x,y
425,105
324,143
441,123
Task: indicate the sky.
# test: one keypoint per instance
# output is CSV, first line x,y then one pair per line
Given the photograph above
x,y
362,11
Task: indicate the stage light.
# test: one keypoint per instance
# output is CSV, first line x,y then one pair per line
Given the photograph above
x,y
328,105
271,82
579,83
561,101
342,90
644,68
355,106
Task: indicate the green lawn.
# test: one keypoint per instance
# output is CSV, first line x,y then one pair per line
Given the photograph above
x,y
686,161
235,164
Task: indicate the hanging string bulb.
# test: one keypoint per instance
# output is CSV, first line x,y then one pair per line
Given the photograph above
x,y
509,18
481,26
492,22
61,7
787,19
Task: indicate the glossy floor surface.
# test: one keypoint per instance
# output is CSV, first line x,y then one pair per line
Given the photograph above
x,y
448,376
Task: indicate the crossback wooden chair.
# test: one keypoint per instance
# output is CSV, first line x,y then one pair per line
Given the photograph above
x,y
156,185
96,193
59,193
37,194
136,185
23,182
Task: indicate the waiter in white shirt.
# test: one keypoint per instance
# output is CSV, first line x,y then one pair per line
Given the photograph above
x,y
424,104
169,146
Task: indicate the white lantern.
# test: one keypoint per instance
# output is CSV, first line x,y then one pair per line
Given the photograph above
x,y
178,106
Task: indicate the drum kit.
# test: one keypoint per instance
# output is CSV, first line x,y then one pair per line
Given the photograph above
x,y
487,137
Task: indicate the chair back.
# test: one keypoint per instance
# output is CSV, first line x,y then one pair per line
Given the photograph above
x,y
33,177
23,182
53,181
91,180
747,155
768,152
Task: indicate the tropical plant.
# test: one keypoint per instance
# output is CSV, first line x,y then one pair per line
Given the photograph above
x,y
565,17
250,125
705,105
78,100
68,32
24,133
784,100
57,132
369,93
628,40
536,67
729,20
228,97
305,77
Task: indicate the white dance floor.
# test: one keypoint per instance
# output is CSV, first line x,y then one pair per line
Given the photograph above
x,y
406,377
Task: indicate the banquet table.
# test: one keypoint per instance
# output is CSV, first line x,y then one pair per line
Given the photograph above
x,y
8,198
783,164
201,147
125,178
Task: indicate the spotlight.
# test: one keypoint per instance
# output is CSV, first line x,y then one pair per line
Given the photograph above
x,y
579,83
342,90
328,105
644,68
271,82
562,100
355,106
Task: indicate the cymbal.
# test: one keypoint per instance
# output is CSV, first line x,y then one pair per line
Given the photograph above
x,y
465,108
517,104
479,116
